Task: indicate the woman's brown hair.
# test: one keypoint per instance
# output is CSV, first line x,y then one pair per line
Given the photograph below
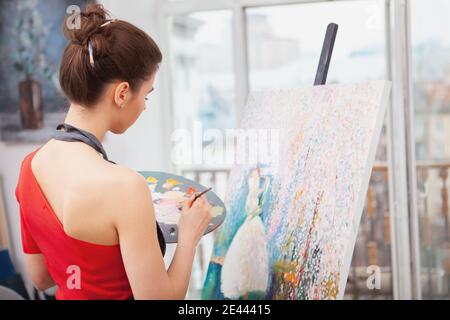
x,y
120,51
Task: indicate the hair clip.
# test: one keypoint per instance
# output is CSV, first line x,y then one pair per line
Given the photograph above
x,y
90,49
108,22
91,53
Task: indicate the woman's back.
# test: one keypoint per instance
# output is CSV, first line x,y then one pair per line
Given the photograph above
x,y
77,183
63,192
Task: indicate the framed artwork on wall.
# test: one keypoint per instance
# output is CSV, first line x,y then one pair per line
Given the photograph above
x,y
32,43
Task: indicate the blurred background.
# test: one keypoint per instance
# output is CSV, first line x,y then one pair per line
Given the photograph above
x,y
215,53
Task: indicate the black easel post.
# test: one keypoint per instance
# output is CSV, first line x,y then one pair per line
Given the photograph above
x,y
325,56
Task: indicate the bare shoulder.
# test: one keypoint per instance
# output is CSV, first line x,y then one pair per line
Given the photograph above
x,y
124,173
126,191
122,181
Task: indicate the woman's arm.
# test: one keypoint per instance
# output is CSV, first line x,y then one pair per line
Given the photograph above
x,y
136,226
194,220
37,269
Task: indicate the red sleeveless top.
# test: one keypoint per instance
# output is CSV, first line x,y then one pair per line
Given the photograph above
x,y
80,269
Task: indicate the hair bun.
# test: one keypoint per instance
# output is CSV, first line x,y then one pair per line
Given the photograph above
x,y
90,21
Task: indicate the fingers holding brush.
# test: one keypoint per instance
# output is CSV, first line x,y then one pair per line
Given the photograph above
x,y
188,203
194,220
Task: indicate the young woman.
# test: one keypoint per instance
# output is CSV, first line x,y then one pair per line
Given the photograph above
x,y
88,225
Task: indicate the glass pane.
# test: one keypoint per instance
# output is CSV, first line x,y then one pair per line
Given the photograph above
x,y
431,89
202,79
202,70
284,45
295,33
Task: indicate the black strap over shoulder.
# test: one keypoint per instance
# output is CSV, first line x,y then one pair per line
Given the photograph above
x,y
73,134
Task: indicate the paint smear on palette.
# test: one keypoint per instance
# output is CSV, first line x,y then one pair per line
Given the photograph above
x,y
168,206
292,219
168,200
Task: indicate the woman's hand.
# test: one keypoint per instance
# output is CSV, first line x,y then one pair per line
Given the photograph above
x,y
195,218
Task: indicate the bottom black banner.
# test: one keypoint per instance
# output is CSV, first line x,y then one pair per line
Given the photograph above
x,y
203,309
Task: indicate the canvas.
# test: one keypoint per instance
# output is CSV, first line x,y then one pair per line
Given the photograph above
x,y
293,219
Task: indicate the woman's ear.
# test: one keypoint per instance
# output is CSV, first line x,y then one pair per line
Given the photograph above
x,y
121,94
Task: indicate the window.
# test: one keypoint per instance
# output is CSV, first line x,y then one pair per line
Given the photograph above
x,y
431,91
202,70
203,97
295,33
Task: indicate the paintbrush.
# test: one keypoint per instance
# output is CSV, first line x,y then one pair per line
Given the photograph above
x,y
198,195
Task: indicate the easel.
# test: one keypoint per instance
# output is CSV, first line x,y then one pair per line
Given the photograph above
x,y
325,56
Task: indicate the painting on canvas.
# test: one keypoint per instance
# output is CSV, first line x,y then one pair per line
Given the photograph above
x,y
292,222
32,103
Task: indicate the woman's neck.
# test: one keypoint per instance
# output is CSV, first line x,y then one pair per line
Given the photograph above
x,y
91,120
